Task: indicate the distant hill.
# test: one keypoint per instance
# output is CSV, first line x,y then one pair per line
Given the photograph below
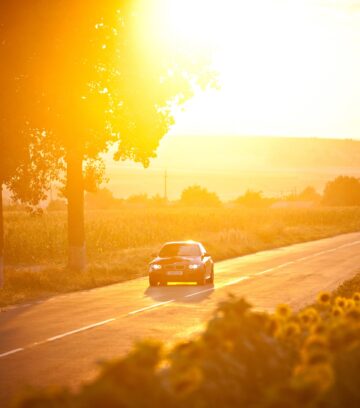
x,y
259,152
230,165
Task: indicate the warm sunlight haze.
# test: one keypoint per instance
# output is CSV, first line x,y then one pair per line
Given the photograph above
x,y
180,203
286,67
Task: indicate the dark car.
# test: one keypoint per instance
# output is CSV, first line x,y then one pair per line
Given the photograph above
x,y
182,261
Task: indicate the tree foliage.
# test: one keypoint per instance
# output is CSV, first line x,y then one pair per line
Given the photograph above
x,y
343,191
101,74
253,199
309,194
27,158
197,195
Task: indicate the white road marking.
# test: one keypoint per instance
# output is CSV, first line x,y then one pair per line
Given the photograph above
x,y
150,307
90,326
232,282
306,258
266,271
274,269
288,263
235,281
8,353
201,291
156,305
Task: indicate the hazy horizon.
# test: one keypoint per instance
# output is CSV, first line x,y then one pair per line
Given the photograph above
x,y
230,165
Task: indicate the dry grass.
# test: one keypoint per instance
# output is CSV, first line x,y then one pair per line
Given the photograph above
x,y
349,287
23,284
120,243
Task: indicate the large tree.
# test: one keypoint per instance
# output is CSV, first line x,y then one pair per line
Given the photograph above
x,y
27,156
199,196
342,191
104,73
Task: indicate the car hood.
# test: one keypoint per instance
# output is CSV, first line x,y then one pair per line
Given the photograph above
x,y
175,259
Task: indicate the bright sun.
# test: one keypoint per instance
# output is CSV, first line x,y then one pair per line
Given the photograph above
x,y
286,67
192,21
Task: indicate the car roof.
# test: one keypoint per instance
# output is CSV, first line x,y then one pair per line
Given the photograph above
x,y
183,242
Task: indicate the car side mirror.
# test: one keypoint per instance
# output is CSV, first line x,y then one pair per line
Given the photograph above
x,y
206,254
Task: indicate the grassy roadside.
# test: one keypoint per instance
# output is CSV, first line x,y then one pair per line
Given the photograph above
x,y
348,288
226,234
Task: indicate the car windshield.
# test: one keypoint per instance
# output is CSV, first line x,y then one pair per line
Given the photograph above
x,y
179,250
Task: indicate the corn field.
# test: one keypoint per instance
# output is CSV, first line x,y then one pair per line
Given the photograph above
x,y
31,239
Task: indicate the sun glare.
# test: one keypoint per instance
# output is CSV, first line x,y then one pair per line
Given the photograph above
x,y
194,21
174,23
286,67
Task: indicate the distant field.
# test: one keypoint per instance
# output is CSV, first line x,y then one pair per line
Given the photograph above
x,y
42,239
120,242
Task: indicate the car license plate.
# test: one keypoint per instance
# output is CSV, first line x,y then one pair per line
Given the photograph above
x,y
175,273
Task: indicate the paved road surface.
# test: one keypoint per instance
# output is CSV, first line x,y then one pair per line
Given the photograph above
x,y
58,341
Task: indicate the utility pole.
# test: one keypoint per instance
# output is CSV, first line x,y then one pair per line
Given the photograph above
x,y
165,185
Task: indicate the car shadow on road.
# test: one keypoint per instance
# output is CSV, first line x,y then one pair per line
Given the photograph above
x,y
183,293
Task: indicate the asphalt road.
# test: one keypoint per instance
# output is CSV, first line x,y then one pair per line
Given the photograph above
x,y
59,340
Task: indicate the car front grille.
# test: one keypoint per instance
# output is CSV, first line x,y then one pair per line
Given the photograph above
x,y
174,267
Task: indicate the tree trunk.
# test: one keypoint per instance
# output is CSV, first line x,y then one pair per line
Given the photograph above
x,y
1,237
75,196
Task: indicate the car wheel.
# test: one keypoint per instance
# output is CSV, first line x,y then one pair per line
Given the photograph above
x,y
152,281
211,279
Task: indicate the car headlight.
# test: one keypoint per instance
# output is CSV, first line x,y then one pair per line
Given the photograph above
x,y
194,266
155,267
